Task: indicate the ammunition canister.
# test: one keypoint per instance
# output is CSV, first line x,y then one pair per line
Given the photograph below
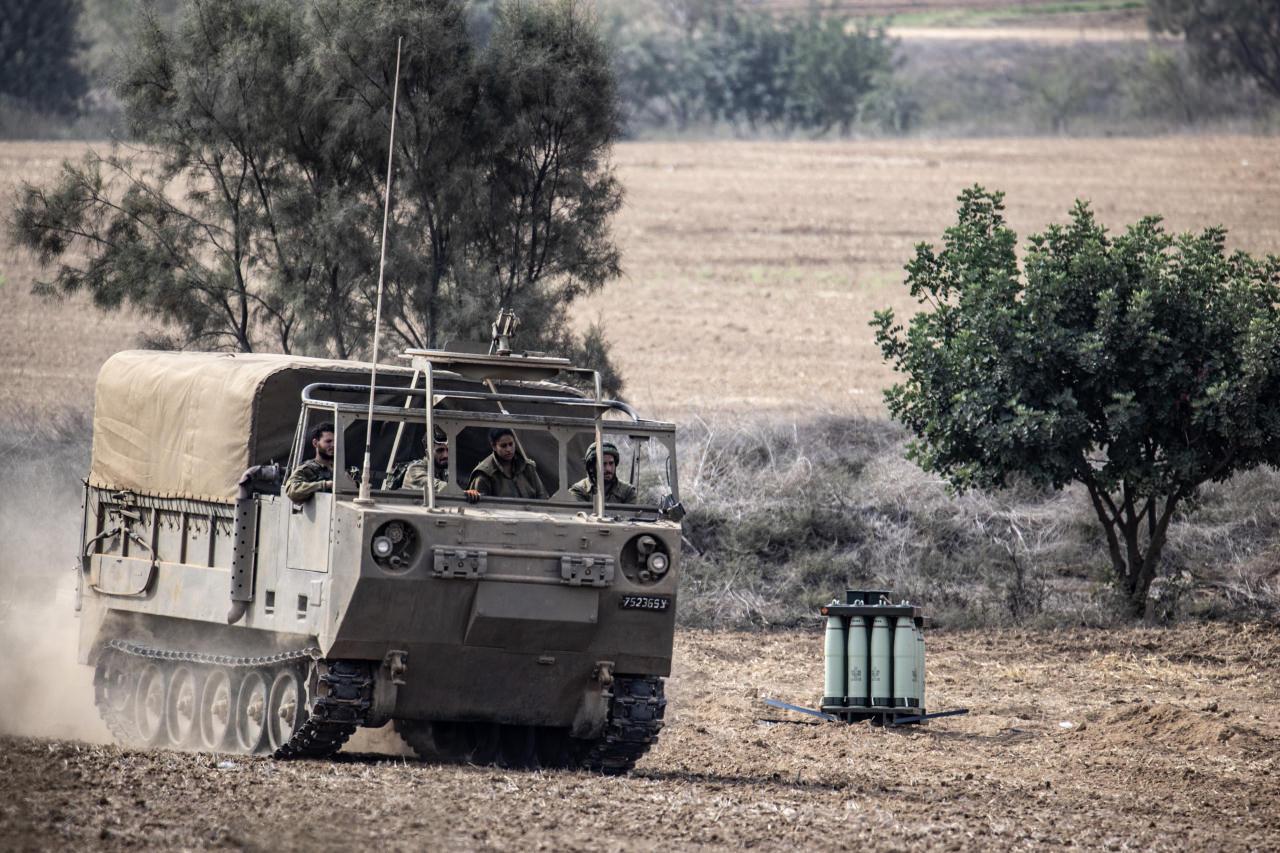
x,y
833,681
881,662
905,656
858,682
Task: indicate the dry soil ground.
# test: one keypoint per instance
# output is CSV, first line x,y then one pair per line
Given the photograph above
x,y
1160,740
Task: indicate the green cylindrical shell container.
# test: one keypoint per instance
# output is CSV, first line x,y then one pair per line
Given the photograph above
x,y
881,662
858,682
906,691
920,664
833,681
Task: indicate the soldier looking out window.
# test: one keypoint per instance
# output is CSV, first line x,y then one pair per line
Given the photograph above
x,y
316,474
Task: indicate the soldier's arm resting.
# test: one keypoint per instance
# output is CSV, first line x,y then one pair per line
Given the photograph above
x,y
417,476
300,489
480,483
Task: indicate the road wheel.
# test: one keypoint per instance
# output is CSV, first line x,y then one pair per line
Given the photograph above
x,y
217,711
251,713
486,742
286,708
554,748
452,741
181,706
421,737
149,705
517,747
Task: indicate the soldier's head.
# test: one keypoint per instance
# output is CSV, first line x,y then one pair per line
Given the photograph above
x,y
322,441
608,458
503,442
439,450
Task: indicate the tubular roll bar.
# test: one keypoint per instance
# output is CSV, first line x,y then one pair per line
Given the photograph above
x,y
311,396
308,396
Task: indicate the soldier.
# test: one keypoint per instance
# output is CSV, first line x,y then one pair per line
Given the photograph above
x,y
506,472
615,491
419,471
314,475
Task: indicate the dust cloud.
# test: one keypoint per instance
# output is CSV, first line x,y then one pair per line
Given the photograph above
x,y
43,690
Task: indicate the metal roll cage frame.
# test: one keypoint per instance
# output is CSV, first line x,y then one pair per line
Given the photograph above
x,y
454,421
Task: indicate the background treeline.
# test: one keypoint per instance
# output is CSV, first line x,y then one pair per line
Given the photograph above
x,y
741,67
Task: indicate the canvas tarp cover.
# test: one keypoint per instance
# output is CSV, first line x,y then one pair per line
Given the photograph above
x,y
187,425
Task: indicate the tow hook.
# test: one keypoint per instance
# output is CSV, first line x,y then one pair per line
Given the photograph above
x,y
397,663
603,672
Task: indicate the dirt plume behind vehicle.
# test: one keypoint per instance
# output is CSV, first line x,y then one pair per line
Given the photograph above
x,y
43,691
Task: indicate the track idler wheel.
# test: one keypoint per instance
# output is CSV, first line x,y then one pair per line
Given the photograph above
x,y
114,687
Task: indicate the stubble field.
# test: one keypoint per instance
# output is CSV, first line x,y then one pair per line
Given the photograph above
x,y
1138,739
752,270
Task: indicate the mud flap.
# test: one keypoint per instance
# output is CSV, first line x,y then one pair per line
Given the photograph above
x,y
593,709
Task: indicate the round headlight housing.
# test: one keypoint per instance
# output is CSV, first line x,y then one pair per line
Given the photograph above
x,y
394,545
658,563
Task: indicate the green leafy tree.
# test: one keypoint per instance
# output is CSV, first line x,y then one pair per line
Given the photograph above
x,y
1227,37
250,218
38,54
1141,366
734,63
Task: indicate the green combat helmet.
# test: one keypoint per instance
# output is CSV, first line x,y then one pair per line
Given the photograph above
x,y
589,458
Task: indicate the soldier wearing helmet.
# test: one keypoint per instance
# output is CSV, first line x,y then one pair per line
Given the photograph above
x,y
434,470
615,491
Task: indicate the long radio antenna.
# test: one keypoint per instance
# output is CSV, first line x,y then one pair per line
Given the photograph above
x,y
367,470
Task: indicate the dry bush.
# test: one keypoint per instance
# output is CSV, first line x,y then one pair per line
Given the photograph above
x,y
783,516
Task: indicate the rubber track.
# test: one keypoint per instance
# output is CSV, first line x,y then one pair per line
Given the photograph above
x,y
635,718
344,697
121,728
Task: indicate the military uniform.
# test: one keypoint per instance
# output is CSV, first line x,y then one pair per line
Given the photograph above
x,y
617,493
418,474
487,478
308,479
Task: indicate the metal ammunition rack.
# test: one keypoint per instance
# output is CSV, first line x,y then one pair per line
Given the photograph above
x,y
874,659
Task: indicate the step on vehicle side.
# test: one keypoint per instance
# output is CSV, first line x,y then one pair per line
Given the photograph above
x,y
220,615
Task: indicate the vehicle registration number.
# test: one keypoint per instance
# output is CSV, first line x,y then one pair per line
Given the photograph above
x,y
656,603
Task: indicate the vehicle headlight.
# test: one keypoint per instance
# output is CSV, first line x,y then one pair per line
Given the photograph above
x,y
658,563
383,546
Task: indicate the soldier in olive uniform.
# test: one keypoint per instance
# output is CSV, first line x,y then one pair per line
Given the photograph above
x,y
615,491
314,475
506,472
419,472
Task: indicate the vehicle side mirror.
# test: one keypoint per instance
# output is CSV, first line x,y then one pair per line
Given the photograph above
x,y
671,508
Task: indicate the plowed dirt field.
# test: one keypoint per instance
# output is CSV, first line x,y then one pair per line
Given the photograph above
x,y
1151,739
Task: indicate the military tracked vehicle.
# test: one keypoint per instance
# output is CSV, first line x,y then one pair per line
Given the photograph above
x,y
220,615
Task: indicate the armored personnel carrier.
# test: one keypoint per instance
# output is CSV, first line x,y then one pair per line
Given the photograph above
x,y
221,615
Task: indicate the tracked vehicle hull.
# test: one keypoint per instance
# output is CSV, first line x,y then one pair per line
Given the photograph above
x,y
528,634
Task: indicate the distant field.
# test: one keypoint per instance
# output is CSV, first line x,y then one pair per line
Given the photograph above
x,y
752,268
1053,13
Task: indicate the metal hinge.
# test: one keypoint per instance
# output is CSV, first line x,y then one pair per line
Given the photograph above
x,y
459,563
586,569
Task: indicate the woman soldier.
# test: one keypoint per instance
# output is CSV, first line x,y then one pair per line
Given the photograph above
x,y
506,472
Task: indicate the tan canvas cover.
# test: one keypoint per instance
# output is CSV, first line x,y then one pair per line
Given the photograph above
x,y
187,424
